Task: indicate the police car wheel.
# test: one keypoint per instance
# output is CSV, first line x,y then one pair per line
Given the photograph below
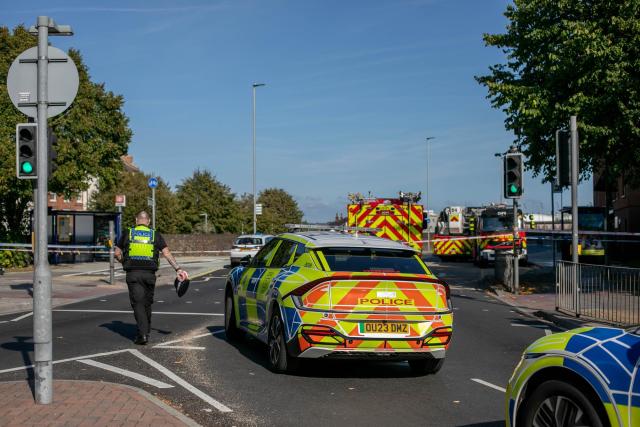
x,y
279,359
231,330
426,366
557,403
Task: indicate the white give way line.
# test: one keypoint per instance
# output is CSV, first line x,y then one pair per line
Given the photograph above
x,y
126,373
546,329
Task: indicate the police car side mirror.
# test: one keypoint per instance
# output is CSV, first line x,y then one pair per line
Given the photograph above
x,y
245,261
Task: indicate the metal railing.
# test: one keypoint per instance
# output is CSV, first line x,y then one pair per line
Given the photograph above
x,y
599,292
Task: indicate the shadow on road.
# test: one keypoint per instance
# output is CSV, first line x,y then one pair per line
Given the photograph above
x,y
128,330
28,287
256,351
26,348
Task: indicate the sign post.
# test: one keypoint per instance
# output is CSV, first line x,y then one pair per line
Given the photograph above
x,y
153,183
54,93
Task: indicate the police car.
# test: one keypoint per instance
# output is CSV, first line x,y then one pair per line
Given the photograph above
x,y
335,295
247,246
583,377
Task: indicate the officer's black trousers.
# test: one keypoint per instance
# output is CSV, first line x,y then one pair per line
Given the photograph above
x,y
141,285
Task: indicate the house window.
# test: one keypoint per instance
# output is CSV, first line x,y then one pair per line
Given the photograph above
x,y
52,197
79,198
66,200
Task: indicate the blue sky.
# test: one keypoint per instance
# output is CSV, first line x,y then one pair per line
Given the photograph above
x,y
352,90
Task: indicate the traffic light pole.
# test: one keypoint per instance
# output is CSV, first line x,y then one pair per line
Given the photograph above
x,y
516,264
573,124
42,277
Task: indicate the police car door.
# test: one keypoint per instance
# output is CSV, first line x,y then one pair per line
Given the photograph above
x,y
281,259
249,283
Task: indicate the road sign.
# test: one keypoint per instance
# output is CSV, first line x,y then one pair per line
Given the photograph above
x,y
258,208
153,182
62,82
121,200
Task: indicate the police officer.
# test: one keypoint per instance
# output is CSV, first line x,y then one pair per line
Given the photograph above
x,y
138,250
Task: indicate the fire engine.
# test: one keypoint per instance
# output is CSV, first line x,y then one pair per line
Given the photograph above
x,y
454,227
396,218
495,232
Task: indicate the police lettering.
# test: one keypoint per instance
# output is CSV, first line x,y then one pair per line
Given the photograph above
x,y
385,301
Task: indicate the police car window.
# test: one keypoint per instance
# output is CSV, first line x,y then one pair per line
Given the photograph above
x,y
372,260
263,255
282,257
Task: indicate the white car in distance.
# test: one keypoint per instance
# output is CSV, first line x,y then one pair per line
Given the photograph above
x,y
248,245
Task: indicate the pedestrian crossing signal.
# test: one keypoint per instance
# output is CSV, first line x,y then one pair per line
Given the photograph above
x,y
513,176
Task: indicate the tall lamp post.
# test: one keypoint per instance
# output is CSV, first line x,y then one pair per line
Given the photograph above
x,y
427,139
254,86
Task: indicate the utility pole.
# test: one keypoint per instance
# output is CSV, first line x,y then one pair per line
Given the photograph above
x,y
573,124
429,138
112,236
255,85
516,261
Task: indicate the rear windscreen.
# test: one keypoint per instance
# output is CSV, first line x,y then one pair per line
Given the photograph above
x,y
249,241
373,260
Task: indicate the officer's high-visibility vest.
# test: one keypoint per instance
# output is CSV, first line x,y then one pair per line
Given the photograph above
x,y
140,253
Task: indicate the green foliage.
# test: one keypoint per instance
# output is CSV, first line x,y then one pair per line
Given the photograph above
x,y
571,57
135,186
203,193
92,135
278,208
13,259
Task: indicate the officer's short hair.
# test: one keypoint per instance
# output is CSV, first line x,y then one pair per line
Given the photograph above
x,y
142,216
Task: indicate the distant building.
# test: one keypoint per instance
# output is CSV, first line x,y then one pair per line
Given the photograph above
x,y
626,204
81,201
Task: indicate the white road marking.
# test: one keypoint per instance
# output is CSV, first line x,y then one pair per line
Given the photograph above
x,y
24,316
547,331
189,338
130,311
160,301
180,347
4,321
88,356
126,373
210,400
103,300
493,386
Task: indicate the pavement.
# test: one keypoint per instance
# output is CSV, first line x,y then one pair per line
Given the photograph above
x,y
86,403
190,366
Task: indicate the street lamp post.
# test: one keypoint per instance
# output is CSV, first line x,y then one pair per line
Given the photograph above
x,y
427,139
206,226
255,85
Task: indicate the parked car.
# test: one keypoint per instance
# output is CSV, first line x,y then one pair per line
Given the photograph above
x,y
583,377
248,245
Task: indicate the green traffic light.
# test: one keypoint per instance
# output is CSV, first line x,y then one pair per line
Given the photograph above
x,y
27,167
513,188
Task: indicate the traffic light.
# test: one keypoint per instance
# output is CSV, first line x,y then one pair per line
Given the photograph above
x,y
27,151
563,158
513,175
52,140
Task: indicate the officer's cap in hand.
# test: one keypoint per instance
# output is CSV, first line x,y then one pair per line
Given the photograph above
x,y
181,286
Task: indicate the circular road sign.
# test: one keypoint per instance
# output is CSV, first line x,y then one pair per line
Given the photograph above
x,y
62,82
153,182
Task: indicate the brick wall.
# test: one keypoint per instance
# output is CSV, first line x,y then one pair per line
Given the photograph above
x,y
199,242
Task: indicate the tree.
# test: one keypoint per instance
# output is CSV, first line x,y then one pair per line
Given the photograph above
x,y
571,57
203,193
278,208
245,209
134,185
92,135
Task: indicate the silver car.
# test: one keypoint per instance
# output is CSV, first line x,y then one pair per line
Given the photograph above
x,y
248,245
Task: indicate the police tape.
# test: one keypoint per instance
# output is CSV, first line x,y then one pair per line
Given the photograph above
x,y
76,250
